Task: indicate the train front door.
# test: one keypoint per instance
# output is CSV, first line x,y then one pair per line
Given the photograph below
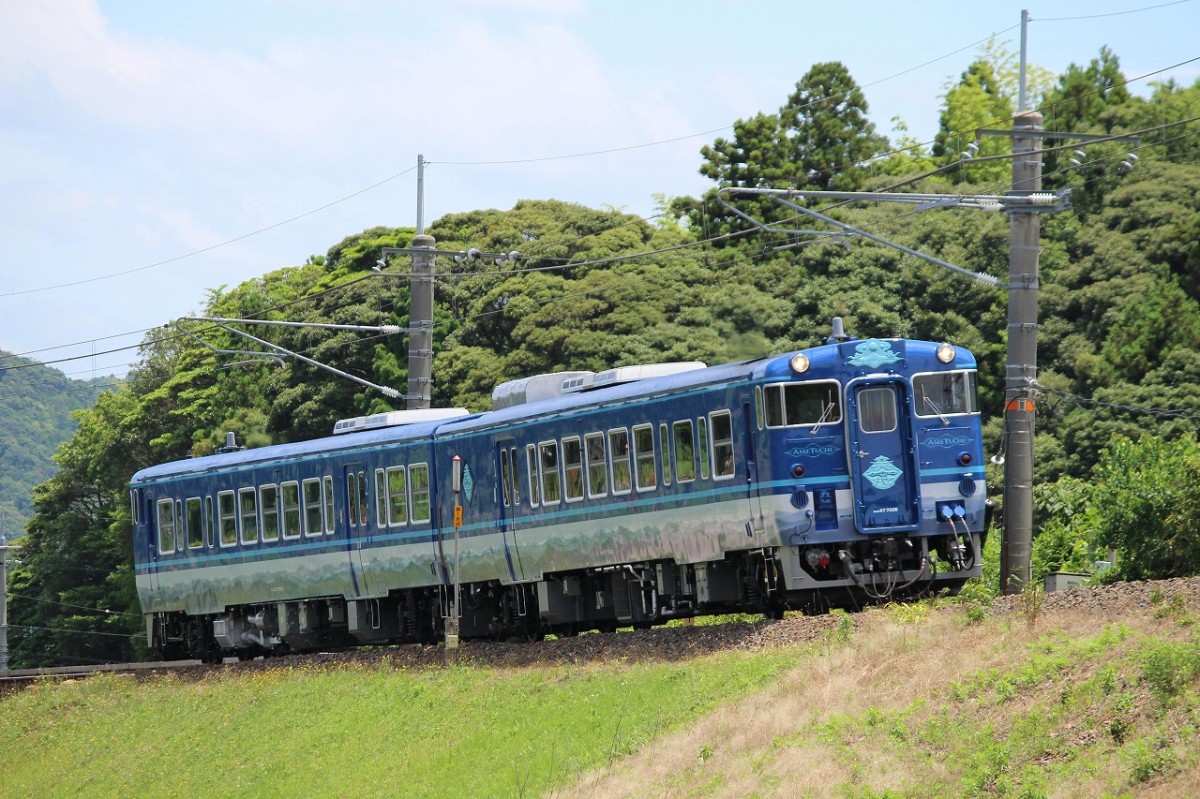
x,y
883,463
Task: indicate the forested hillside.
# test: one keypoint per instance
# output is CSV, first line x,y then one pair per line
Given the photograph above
x,y
36,404
1119,340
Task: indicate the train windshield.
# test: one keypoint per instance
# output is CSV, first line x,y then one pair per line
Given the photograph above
x,y
796,404
945,393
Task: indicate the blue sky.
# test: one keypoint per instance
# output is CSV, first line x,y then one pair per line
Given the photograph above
x,y
136,133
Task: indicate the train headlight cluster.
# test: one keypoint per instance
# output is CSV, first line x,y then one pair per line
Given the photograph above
x,y
945,353
800,363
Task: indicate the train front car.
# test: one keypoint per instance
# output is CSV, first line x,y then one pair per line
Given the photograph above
x,y
876,463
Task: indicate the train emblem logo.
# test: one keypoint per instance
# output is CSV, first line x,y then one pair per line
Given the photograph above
x,y
812,450
873,353
883,474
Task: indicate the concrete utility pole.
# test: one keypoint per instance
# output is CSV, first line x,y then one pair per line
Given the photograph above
x,y
3,592
420,315
1021,372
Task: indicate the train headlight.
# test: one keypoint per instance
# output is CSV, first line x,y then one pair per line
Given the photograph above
x,y
945,353
799,363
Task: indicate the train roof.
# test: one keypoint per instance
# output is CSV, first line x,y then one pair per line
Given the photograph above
x,y
825,360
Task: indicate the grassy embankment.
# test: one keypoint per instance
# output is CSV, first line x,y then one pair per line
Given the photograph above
x,y
903,702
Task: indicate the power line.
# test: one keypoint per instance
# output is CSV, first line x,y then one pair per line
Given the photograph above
x,y
1109,14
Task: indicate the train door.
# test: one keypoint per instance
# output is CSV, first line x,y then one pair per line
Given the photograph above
x,y
753,486
508,500
147,525
357,522
883,463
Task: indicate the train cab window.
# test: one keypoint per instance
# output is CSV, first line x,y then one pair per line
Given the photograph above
x,y
597,466
166,526
618,448
722,445
227,506
803,404
643,451
314,522
248,505
418,481
877,409
268,500
291,509
397,496
193,516
945,393
548,469
210,522
531,464
327,483
664,454
685,451
572,453
702,437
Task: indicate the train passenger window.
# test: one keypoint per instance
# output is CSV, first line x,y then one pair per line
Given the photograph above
x,y
397,496
531,463
209,522
572,469
685,451
330,519
268,500
597,474
877,409
801,404
548,463
418,481
618,447
381,517
291,510
313,507
665,454
945,393
227,506
702,438
505,478
722,445
248,503
194,518
362,499
516,476
351,500
166,526
643,452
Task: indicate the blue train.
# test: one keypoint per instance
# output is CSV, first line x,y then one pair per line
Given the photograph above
x,y
835,476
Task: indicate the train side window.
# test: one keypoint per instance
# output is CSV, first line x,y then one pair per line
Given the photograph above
x,y
351,499
597,473
313,507
268,500
397,494
685,452
194,518
572,469
381,517
664,456
702,437
291,510
166,526
758,406
548,469
516,476
722,445
248,503
531,463
210,522
618,448
773,405
227,505
505,478
418,481
362,499
877,409
643,453
330,519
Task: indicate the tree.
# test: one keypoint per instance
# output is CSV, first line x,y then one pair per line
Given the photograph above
x,y
1087,99
976,101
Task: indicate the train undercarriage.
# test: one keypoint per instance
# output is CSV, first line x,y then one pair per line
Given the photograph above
x,y
770,581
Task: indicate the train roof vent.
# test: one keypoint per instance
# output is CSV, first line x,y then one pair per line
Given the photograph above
x,y
628,374
397,418
535,389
